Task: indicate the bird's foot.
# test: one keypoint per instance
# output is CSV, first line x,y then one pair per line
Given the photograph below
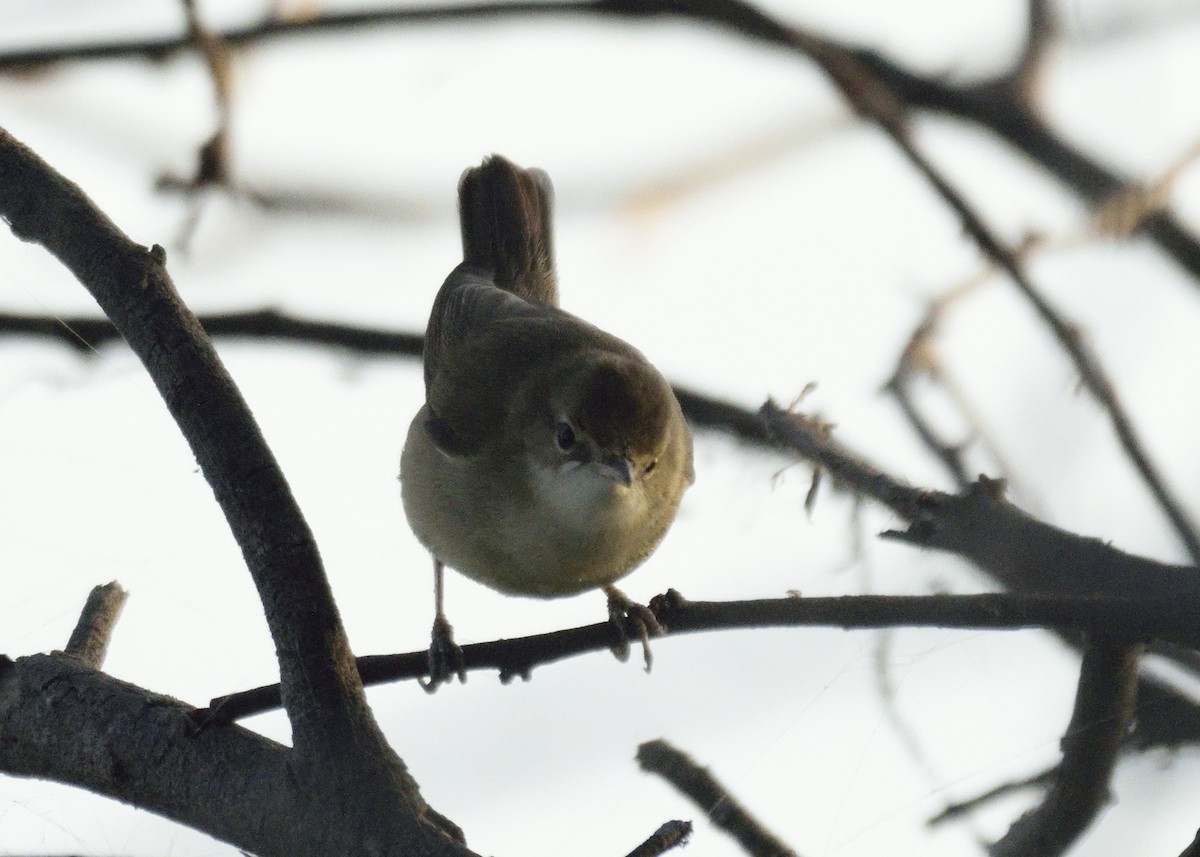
x,y
445,657
624,613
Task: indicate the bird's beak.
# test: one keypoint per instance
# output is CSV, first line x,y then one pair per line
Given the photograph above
x,y
618,468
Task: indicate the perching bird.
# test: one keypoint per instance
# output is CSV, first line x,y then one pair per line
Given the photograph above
x,y
550,457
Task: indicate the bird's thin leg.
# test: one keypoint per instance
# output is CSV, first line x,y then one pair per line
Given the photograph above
x,y
445,657
621,610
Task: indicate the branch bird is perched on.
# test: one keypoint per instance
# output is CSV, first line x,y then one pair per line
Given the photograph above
x,y
550,457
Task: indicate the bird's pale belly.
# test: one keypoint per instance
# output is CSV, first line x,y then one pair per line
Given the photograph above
x,y
543,549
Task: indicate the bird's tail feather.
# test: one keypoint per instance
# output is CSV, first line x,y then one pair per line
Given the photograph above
x,y
505,213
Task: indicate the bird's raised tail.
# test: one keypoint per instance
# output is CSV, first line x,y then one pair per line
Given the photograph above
x,y
505,212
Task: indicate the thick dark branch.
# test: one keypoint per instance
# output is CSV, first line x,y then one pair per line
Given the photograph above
x,y
1028,555
324,697
1166,617
93,632
68,723
714,800
1104,706
335,737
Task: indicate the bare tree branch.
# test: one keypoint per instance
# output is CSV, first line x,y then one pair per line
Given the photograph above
x,y
963,807
1136,618
875,100
713,799
132,286
93,632
86,334
1104,706
339,756
1024,554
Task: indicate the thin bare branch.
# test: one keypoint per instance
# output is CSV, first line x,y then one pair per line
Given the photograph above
x,y
86,334
712,797
1146,618
960,808
93,632
883,107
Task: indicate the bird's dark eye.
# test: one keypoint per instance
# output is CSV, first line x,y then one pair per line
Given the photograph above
x,y
564,436
650,467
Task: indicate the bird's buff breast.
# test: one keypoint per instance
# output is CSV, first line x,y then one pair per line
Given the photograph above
x,y
555,537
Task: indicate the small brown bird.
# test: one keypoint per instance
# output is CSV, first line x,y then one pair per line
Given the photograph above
x,y
550,457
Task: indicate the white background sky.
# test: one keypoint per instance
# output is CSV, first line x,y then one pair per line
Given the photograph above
x,y
808,257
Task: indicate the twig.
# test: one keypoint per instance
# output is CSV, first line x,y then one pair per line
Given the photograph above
x,y
1104,705
131,284
671,834
713,799
812,440
950,455
212,166
1148,618
93,632
963,807
86,334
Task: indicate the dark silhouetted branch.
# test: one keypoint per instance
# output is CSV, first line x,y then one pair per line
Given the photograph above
x,y
957,810
1104,705
337,747
714,800
1000,105
1173,618
86,334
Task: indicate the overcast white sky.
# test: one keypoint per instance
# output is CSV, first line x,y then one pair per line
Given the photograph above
x,y
718,209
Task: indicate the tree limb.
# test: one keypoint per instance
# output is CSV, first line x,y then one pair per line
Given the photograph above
x,y
1104,706
338,751
1134,618
63,721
